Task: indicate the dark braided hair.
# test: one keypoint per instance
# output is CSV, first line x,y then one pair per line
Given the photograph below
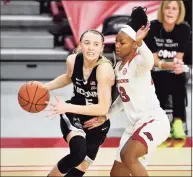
x,y
138,18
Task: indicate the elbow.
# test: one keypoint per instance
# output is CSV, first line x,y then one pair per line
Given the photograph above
x,y
103,111
151,63
106,110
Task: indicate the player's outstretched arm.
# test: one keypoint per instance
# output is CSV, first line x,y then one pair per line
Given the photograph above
x,y
148,59
64,79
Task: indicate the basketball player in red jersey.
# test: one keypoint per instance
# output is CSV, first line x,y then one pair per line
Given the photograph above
x,y
148,124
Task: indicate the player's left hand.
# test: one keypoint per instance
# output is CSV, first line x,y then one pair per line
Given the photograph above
x,y
60,107
141,33
178,66
94,122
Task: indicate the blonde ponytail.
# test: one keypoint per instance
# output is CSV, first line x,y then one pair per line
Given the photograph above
x,y
77,50
103,60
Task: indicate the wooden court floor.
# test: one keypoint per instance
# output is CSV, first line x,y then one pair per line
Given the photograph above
x,y
39,161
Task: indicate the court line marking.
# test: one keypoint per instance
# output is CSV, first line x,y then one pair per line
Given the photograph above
x,y
169,165
87,170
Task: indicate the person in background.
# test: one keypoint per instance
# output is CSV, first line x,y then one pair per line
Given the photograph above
x,y
166,39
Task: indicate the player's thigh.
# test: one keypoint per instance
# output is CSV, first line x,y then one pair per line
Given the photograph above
x,y
94,139
69,128
125,137
119,169
151,133
133,149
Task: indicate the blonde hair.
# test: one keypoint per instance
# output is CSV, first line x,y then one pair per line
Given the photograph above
x,y
181,15
101,61
77,50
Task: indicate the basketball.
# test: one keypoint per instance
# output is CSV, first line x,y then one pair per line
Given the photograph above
x,y
32,96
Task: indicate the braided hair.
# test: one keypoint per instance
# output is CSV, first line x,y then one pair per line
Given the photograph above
x,y
138,18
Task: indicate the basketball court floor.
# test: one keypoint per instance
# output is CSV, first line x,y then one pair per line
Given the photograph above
x,y
35,157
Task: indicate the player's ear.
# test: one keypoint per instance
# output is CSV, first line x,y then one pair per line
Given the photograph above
x,y
134,45
102,49
77,49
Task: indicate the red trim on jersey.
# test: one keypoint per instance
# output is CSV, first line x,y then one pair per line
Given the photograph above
x,y
137,137
133,58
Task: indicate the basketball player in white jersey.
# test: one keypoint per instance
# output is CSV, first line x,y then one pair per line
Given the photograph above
x,y
148,124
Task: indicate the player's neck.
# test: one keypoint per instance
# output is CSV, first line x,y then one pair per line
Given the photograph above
x,y
89,64
168,27
128,58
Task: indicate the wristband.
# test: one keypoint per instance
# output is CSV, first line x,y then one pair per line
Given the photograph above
x,y
160,64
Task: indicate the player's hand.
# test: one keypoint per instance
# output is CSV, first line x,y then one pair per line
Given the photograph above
x,y
60,107
94,122
141,33
178,66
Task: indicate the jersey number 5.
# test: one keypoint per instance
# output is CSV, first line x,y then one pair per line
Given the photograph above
x,y
88,101
123,95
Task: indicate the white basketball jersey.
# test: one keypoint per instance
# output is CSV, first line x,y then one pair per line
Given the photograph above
x,y
136,89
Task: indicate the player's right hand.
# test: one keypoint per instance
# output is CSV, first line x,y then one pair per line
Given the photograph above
x,y
94,122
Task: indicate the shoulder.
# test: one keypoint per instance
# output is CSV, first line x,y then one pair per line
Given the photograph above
x,y
155,27
70,64
183,27
104,63
155,24
105,66
105,71
139,59
71,58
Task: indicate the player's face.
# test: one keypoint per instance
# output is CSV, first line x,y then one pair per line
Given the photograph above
x,y
124,45
171,12
91,45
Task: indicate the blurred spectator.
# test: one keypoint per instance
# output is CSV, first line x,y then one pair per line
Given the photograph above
x,y
166,39
6,1
188,7
188,18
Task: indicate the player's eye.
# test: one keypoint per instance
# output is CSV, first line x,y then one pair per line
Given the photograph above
x,y
86,43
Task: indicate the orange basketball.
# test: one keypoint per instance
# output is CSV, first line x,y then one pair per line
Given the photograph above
x,y
32,96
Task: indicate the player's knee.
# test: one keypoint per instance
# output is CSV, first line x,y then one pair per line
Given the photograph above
x,y
77,153
78,158
78,150
122,155
127,157
83,166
